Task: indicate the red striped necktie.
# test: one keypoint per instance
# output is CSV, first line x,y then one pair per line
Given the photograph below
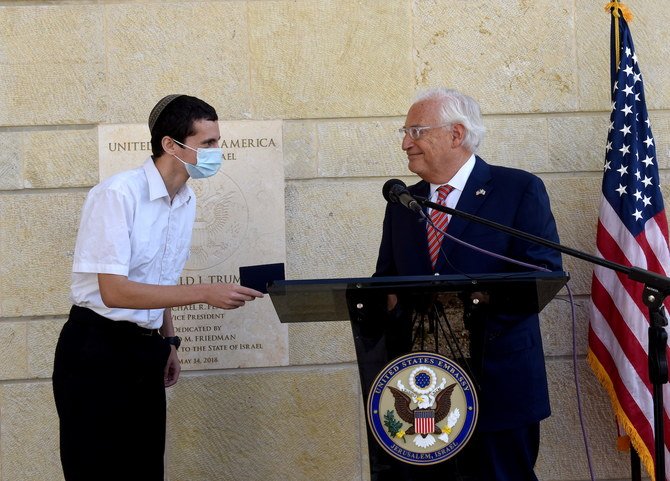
x,y
439,220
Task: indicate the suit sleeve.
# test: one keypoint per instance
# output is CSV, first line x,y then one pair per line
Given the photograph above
x,y
534,216
385,263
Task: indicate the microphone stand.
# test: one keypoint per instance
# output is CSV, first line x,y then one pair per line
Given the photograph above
x,y
656,289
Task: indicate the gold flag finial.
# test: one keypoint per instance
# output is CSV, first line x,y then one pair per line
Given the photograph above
x,y
617,9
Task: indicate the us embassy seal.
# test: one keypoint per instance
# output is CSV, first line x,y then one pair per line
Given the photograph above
x,y
422,408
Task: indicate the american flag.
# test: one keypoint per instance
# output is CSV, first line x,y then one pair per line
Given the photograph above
x,y
632,231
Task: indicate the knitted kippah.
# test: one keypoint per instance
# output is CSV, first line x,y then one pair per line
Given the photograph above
x,y
158,109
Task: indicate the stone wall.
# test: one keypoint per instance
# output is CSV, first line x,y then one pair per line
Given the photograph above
x,y
340,75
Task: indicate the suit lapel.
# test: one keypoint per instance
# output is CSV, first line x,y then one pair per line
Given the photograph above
x,y
477,188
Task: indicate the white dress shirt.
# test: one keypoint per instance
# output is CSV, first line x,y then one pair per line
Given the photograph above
x,y
458,182
130,228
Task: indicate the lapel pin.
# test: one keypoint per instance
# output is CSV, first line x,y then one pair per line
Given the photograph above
x,y
480,192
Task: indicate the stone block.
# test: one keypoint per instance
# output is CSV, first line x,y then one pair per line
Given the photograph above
x,y
333,229
469,46
48,33
562,438
558,329
14,355
321,343
236,425
576,217
300,149
36,245
156,49
42,337
52,64
592,44
365,148
325,59
11,160
577,144
519,142
660,126
29,442
60,158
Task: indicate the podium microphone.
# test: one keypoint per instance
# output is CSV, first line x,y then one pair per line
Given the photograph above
x,y
395,191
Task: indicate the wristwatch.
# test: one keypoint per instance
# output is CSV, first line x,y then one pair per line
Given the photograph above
x,y
174,341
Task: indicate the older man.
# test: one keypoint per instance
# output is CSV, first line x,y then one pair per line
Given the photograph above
x,y
442,132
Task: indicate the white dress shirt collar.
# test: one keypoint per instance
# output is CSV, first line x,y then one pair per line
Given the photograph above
x,y
459,180
157,188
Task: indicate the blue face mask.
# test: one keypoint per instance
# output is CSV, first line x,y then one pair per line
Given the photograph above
x,y
208,161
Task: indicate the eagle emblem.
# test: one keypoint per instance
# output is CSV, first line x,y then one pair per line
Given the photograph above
x,y
422,408
433,405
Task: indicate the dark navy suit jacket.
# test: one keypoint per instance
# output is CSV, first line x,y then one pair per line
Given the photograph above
x,y
507,356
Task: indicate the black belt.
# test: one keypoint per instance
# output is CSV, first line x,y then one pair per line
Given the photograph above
x,y
91,318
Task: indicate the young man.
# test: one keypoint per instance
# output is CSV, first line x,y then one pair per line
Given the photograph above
x,y
118,351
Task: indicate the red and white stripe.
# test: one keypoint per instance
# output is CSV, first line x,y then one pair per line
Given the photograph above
x,y
424,421
618,336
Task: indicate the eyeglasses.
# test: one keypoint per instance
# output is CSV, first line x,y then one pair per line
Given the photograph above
x,y
416,132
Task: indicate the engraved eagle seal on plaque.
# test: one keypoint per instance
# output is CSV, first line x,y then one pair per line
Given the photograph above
x,y
422,408
221,222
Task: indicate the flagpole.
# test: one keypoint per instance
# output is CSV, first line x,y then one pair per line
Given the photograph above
x,y
614,7
635,467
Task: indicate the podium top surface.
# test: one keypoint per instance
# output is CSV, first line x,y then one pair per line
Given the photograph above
x,y
312,300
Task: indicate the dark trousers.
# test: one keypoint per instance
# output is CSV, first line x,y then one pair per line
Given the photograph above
x,y
110,397
489,456
508,455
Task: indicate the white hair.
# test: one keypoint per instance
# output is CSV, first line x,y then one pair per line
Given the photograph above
x,y
458,108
